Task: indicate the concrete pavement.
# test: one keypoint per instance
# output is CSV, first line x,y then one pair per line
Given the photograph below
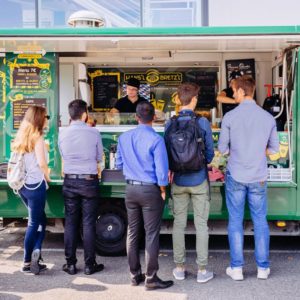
x,y
113,282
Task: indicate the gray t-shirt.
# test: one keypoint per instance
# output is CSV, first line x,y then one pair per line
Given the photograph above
x,y
34,174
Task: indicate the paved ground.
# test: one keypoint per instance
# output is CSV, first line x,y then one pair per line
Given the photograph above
x,y
112,283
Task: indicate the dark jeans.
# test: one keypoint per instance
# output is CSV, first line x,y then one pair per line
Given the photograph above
x,y
143,203
81,199
35,201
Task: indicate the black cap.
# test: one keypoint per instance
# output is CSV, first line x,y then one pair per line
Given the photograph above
x,y
134,82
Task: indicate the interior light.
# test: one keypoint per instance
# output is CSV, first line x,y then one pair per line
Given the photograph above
x,y
281,224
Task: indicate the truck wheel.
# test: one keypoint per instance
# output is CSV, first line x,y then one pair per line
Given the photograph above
x,y
111,230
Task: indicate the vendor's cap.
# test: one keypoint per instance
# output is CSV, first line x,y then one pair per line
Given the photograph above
x,y
235,75
134,82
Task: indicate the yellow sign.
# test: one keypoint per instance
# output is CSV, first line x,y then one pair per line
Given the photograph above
x,y
30,75
154,77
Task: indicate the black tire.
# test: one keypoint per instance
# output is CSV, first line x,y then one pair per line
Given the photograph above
x,y
111,229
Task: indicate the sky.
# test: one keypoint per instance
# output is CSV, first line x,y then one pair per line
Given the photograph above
x,y
254,12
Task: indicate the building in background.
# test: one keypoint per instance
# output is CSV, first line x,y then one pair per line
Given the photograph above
x,y
151,13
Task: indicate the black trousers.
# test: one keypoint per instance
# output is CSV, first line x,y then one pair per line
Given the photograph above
x,y
81,199
143,203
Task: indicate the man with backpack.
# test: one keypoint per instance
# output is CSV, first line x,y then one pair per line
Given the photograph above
x,y
190,147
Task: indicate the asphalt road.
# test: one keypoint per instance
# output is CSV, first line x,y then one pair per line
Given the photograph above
x,y
113,282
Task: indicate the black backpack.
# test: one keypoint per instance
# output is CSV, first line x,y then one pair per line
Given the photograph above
x,y
185,145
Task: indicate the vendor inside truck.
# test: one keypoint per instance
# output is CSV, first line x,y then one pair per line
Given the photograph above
x,y
128,103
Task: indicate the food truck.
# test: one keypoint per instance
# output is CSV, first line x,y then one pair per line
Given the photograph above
x,y
51,67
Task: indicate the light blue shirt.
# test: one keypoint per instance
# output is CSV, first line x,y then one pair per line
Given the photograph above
x,y
247,132
142,155
81,148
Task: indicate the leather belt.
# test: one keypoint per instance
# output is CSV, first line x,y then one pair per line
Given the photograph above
x,y
81,176
135,182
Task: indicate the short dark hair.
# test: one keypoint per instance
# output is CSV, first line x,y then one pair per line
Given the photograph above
x,y
77,108
246,83
186,91
145,111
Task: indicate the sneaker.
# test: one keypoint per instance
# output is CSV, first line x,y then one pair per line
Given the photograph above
x,y
263,273
35,258
204,276
179,273
42,267
235,273
25,269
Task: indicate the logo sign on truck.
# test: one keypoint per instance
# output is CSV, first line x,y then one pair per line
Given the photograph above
x,y
154,77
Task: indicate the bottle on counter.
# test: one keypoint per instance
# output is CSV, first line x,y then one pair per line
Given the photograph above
x,y
112,156
213,115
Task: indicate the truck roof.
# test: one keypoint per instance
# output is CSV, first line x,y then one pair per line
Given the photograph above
x,y
144,40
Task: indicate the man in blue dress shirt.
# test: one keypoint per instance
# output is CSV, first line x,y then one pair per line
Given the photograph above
x,y
81,149
248,133
142,155
194,187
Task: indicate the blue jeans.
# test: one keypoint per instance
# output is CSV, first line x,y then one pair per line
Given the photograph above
x,y
256,194
35,201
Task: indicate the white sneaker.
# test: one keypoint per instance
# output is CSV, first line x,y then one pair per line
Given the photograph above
x,y
204,276
235,273
179,273
263,273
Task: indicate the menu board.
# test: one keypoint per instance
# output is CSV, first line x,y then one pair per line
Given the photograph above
x,y
105,91
26,76
208,83
207,95
244,66
105,88
34,75
20,107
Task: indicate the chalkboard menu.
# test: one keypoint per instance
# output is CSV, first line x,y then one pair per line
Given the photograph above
x,y
105,89
243,66
30,76
26,77
207,82
20,107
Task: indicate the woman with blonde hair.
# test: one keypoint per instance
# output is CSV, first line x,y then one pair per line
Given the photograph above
x,y
30,142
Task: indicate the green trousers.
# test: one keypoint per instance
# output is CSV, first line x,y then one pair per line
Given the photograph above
x,y
182,195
